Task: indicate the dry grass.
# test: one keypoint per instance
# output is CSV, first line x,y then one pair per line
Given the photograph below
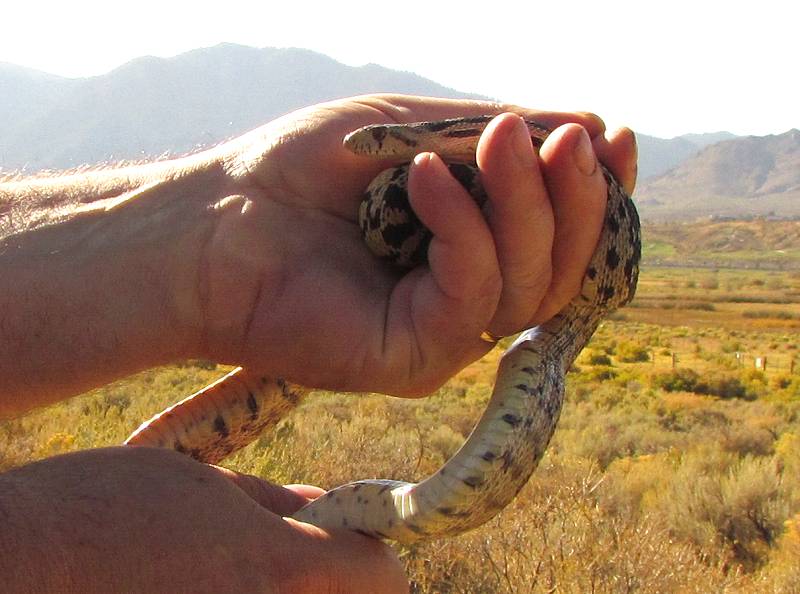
x,y
647,487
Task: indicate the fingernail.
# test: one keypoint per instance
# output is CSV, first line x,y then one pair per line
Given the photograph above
x,y
422,159
583,153
521,143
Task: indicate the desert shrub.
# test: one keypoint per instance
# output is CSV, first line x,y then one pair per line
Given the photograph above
x,y
783,572
755,381
604,443
596,358
604,345
787,456
601,374
444,441
700,306
58,443
787,388
754,508
723,386
741,508
629,352
688,380
630,484
746,439
775,283
731,346
677,380
780,314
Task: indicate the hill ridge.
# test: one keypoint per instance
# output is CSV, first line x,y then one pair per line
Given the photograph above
x,y
151,106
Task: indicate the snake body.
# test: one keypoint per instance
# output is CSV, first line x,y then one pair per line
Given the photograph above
x,y
510,438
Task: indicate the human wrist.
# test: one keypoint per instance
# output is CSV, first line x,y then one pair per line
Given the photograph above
x,y
103,283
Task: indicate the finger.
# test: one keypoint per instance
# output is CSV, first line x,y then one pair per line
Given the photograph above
x,y
307,491
439,311
410,108
521,219
618,151
577,191
279,500
456,223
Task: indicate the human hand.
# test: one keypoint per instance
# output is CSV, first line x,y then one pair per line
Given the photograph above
x,y
291,289
150,520
250,254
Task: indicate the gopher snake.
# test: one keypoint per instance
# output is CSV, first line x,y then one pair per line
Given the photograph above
x,y
511,436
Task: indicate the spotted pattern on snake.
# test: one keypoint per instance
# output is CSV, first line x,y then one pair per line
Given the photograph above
x,y
511,436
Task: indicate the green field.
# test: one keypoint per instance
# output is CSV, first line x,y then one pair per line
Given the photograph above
x,y
675,467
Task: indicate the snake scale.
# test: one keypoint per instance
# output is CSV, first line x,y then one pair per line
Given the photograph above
x,y
510,438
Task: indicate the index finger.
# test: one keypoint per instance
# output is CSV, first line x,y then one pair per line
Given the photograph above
x,y
403,109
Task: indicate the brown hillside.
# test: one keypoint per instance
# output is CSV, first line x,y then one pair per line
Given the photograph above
x,y
749,176
757,243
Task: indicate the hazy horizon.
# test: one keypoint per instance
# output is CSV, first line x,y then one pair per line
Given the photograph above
x,y
686,67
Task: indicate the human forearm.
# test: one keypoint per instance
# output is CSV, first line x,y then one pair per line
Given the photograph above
x,y
99,275
31,201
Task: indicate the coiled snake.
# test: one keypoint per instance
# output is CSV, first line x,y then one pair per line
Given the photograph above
x,y
510,438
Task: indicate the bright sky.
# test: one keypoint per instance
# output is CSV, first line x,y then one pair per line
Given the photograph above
x,y
662,68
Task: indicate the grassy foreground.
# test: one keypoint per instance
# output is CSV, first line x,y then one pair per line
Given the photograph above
x,y
675,467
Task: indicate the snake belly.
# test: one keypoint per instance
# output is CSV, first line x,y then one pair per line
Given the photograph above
x,y
511,436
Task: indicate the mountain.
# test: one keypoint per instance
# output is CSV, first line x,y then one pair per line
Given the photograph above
x,y
752,176
659,155
150,106
27,94
155,106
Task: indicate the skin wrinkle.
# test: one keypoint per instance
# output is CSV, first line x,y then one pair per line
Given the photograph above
x,y
386,110
204,279
249,320
387,310
247,332
416,354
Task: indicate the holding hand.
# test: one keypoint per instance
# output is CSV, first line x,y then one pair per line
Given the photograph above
x,y
313,304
